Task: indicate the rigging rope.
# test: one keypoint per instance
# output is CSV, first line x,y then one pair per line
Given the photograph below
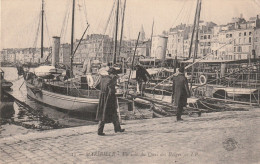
x,y
109,18
179,14
190,9
65,23
80,16
85,12
47,30
37,32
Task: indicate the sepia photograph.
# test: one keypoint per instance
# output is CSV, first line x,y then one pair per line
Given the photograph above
x,y
130,81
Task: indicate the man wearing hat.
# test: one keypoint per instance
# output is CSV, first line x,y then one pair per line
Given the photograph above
x,y
107,107
180,92
142,77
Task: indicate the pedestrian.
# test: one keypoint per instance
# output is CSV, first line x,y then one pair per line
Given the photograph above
x,y
107,107
20,70
142,77
180,91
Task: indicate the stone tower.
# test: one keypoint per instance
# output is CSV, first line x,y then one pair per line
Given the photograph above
x,y
142,34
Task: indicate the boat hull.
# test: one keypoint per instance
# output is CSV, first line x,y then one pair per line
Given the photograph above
x,y
63,102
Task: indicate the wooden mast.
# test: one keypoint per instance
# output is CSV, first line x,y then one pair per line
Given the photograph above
x,y
42,29
72,35
115,47
196,41
122,29
133,60
193,30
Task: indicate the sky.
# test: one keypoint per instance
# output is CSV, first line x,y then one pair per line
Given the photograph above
x,y
20,18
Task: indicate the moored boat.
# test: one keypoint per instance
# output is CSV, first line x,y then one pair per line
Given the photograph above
x,y
6,105
79,103
56,86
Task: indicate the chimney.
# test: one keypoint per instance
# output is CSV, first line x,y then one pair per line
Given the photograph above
x,y
55,50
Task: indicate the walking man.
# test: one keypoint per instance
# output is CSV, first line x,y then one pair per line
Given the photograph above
x,y
107,107
142,76
180,92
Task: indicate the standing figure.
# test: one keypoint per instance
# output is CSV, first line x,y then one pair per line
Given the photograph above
x,y
20,70
180,92
142,76
107,107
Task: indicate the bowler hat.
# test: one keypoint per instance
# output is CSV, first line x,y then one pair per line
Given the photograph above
x,y
112,70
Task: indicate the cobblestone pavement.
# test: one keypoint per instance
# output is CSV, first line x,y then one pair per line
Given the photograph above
x,y
226,137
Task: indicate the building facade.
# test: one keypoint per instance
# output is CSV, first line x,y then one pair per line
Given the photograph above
x,y
234,41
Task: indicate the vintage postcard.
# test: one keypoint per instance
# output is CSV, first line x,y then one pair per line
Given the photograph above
x,y
130,81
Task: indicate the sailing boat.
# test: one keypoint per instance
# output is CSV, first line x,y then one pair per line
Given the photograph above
x,y
53,86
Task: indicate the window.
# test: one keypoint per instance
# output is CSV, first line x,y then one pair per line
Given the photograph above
x,y
208,36
250,33
244,33
230,35
205,36
239,49
201,37
227,35
249,39
240,34
235,49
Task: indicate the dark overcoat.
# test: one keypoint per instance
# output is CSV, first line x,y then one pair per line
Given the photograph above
x,y
142,74
107,106
180,90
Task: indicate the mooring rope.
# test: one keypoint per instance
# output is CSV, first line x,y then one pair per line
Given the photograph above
x,y
206,105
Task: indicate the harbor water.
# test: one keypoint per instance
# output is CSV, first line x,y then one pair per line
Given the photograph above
x,y
35,116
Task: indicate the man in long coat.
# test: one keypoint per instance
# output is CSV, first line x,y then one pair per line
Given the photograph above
x,y
107,107
180,92
142,76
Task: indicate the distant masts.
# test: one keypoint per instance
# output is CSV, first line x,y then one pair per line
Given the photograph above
x,y
42,29
115,47
72,38
122,29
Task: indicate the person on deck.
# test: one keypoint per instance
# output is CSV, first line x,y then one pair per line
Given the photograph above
x,y
180,91
107,107
142,77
